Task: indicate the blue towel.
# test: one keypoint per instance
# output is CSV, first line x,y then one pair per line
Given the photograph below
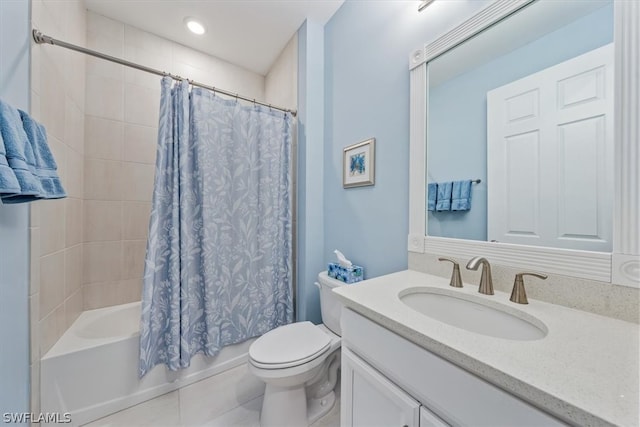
x,y
8,181
443,201
19,155
461,196
431,196
46,168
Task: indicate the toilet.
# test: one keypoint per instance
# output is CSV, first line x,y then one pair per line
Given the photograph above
x,y
299,364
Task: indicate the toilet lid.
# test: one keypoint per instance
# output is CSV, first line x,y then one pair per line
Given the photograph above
x,y
289,345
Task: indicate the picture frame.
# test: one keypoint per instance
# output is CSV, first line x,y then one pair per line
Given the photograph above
x,y
358,164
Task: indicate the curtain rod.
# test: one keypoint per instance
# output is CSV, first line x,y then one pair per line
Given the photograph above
x,y
40,38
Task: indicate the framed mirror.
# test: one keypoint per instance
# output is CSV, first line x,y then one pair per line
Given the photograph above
x,y
529,99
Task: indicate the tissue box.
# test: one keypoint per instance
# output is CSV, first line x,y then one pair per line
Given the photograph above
x,y
352,274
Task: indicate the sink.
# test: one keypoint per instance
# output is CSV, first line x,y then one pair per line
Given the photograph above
x,y
474,314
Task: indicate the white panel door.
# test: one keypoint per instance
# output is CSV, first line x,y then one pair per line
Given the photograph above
x,y
371,400
550,156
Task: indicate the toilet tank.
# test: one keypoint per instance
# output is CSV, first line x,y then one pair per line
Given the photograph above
x,y
330,305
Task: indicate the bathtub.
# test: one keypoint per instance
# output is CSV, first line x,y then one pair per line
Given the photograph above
x,y
92,371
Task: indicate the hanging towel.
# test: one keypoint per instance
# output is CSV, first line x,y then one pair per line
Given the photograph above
x,y
46,168
19,155
461,196
8,181
431,196
443,201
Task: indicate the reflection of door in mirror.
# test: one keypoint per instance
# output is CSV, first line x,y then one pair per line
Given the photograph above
x,y
537,37
550,156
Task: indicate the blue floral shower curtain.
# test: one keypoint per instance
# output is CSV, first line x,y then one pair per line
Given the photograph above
x,y
218,264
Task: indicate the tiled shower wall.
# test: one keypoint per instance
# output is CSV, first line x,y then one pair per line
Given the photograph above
x,y
120,141
57,100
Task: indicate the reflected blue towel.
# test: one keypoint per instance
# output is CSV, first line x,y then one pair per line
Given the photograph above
x,y
432,190
443,201
461,196
19,155
8,181
46,167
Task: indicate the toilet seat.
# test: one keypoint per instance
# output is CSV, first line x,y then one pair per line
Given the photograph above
x,y
289,346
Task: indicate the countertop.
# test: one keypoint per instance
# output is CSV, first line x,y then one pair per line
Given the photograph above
x,y
585,370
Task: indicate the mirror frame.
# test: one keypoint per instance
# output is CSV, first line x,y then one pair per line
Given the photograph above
x,y
622,266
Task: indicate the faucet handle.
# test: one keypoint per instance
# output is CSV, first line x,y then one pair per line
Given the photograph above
x,y
456,280
518,294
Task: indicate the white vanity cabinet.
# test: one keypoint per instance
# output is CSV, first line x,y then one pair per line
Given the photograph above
x,y
389,381
371,400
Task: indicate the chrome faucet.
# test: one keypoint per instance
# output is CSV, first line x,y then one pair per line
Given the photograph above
x,y
486,282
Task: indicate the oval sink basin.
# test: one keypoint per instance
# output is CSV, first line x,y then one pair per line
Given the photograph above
x,y
473,314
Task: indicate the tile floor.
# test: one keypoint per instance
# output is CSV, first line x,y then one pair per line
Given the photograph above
x,y
230,399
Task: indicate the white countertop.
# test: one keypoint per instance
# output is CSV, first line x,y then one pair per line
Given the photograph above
x,y
585,370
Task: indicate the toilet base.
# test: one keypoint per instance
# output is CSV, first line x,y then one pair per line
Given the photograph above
x,y
283,407
318,408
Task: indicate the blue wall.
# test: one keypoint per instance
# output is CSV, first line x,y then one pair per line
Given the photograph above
x,y
458,151
367,47
310,227
14,222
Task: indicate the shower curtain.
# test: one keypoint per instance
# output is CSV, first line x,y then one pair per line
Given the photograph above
x,y
218,268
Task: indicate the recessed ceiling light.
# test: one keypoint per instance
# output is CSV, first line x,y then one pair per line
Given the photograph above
x,y
195,26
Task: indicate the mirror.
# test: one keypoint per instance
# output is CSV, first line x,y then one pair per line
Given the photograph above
x,y
526,108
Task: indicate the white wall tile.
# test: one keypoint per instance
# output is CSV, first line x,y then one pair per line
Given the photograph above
x,y
104,138
51,328
105,34
135,220
102,220
52,282
52,99
74,126
105,97
73,221
102,261
146,41
73,270
133,258
74,174
138,181
52,225
142,104
140,143
73,307
103,179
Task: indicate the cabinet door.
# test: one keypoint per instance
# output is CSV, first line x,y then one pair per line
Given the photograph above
x,y
371,400
429,419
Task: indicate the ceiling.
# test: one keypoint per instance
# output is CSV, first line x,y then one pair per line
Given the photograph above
x,y
249,33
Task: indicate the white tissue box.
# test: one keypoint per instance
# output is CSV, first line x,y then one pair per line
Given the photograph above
x,y
352,274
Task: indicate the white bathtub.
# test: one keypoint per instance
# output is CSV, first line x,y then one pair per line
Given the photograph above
x,y
92,371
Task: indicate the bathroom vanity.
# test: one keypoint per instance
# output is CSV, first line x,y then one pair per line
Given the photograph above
x,y
400,366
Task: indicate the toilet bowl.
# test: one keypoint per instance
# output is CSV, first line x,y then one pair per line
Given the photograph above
x,y
299,364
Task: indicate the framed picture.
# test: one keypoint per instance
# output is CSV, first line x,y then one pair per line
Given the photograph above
x,y
358,164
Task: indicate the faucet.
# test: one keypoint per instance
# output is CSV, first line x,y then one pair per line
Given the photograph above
x,y
518,293
456,280
486,283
